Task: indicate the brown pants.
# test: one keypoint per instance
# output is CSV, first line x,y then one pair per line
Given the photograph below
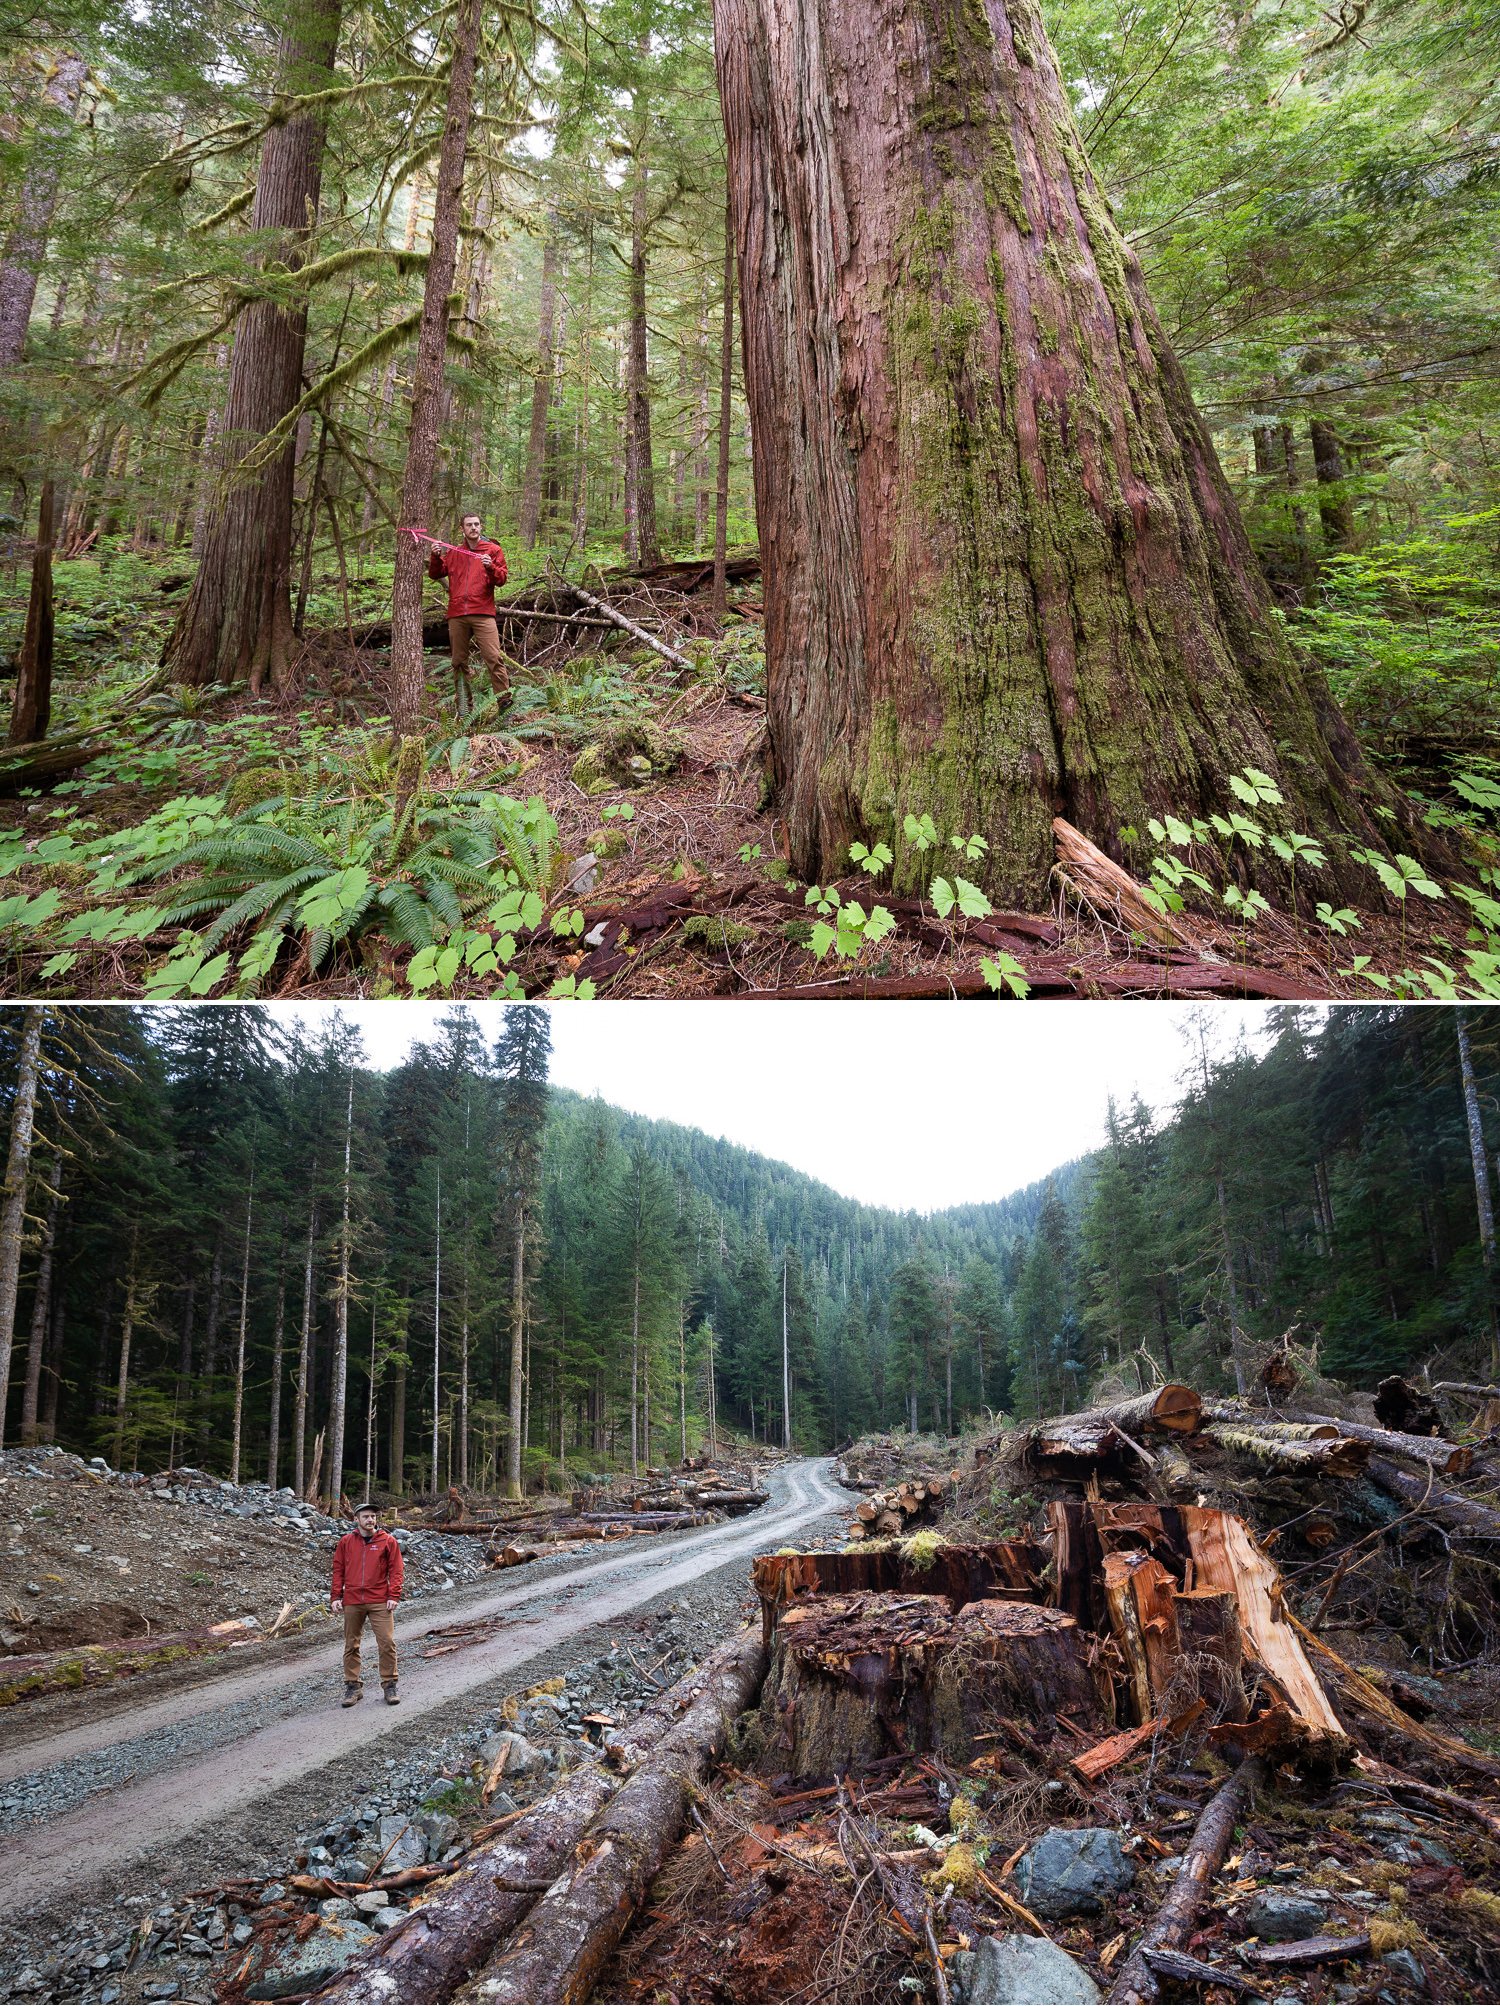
x,y
383,1622
485,636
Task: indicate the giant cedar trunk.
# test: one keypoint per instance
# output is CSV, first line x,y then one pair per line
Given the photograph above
x,y
237,622
1004,575
26,247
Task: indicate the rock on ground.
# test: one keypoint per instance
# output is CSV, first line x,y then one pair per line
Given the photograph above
x,y
1023,1971
1073,1870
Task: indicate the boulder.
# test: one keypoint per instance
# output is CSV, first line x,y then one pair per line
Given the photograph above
x,y
1279,1915
1021,1971
298,1969
521,1759
402,1844
1073,1870
439,1830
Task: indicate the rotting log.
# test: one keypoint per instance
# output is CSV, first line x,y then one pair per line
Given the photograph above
x,y
487,1895
1405,1408
1458,1514
1486,1816
1328,1455
30,1675
855,1678
1136,1981
564,1943
1309,1951
1452,1459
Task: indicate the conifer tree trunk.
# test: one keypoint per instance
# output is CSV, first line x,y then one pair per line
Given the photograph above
x,y
641,541
1005,578
237,622
541,391
278,1358
26,247
13,1191
338,1390
407,656
517,1353
41,1306
398,1432
437,1327
304,1348
1483,1203
239,1351
127,1332
1335,510
726,393
31,705
370,1402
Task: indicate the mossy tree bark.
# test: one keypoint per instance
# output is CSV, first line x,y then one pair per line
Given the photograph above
x,y
1004,575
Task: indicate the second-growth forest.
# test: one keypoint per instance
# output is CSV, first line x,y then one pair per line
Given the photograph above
x,y
233,1244
997,499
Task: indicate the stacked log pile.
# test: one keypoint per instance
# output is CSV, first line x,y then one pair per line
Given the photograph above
x,y
892,1514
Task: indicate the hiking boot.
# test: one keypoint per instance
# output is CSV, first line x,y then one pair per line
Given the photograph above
x,y
392,1697
352,1696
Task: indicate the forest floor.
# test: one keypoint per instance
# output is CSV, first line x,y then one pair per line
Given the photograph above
x,y
664,875
114,1813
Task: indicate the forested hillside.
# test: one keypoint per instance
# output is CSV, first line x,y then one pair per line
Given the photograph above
x,y
283,286
244,1249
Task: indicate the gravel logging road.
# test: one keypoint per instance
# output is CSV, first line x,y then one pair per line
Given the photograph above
x,y
182,1785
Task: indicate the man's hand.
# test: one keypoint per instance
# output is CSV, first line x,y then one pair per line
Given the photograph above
x,y
337,1606
390,1605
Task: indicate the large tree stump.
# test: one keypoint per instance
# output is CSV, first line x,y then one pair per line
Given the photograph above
x,y
855,1678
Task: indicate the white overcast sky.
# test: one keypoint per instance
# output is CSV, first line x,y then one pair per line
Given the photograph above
x,y
912,1105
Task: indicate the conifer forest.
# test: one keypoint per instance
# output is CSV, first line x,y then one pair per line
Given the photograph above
x,y
231,1242
997,499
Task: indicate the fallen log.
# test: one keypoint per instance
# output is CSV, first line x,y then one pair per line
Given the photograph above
x,y
1185,1970
570,1933
485,1896
1310,1950
28,1676
1458,1514
1328,1455
608,612
1486,1816
1136,1982
1468,1391
1451,1458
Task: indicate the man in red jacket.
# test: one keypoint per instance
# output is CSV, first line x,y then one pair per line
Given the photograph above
x,y
367,1576
473,570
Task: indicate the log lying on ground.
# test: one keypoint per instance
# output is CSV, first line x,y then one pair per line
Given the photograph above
x,y
1332,1455
1113,1436
1467,1389
1117,1748
486,1896
571,1932
1136,1981
1459,1514
1450,1458
855,1678
1172,1409
28,1676
891,1512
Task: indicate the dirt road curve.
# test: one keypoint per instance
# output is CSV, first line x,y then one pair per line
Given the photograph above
x,y
165,1801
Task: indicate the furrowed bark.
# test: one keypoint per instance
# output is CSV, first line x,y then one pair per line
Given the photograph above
x,y
1005,576
26,247
237,622
1205,1855
571,1932
541,390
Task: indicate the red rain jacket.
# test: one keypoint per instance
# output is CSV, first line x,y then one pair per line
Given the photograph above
x,y
471,589
367,1570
